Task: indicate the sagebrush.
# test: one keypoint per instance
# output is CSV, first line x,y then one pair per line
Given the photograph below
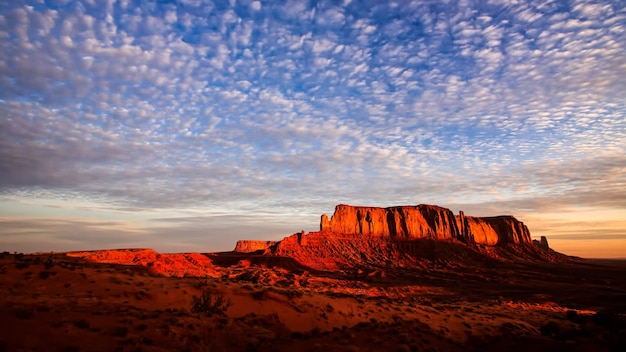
x,y
210,302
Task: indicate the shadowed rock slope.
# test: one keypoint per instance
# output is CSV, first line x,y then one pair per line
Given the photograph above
x,y
174,264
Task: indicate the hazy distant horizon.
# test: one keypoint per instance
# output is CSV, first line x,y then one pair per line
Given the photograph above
x,y
186,124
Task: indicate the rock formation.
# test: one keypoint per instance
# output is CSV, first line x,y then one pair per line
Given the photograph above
x,y
247,246
542,243
404,236
425,221
491,231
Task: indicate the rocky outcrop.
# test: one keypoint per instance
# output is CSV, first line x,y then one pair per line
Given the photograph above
x,y
542,243
425,221
248,246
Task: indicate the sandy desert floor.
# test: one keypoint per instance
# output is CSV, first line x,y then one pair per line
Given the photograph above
x,y
54,302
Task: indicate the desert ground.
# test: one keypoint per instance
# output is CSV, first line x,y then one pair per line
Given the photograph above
x,y
68,302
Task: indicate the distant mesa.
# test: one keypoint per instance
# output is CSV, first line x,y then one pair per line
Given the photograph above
x,y
248,246
374,235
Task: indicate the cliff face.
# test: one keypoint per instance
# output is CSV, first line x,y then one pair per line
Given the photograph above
x,y
509,229
425,221
491,231
403,222
247,246
476,230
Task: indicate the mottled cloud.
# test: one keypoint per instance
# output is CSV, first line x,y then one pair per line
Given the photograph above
x,y
293,106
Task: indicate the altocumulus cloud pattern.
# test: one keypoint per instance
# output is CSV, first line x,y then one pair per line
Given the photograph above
x,y
289,107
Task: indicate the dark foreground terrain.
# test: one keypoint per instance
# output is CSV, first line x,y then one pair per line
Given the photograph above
x,y
241,302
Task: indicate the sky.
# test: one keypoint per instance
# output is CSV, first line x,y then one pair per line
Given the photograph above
x,y
187,125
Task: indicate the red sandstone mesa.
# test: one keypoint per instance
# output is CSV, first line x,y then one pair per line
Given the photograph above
x,y
425,221
381,235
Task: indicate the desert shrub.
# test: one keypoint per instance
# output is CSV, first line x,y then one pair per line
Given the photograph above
x,y
165,329
22,265
119,331
297,335
573,316
316,331
57,324
25,314
550,329
82,324
210,302
44,275
403,348
49,263
259,295
44,308
609,320
200,284
291,293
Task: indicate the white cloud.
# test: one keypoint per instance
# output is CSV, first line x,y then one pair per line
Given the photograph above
x,y
331,16
255,5
322,45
